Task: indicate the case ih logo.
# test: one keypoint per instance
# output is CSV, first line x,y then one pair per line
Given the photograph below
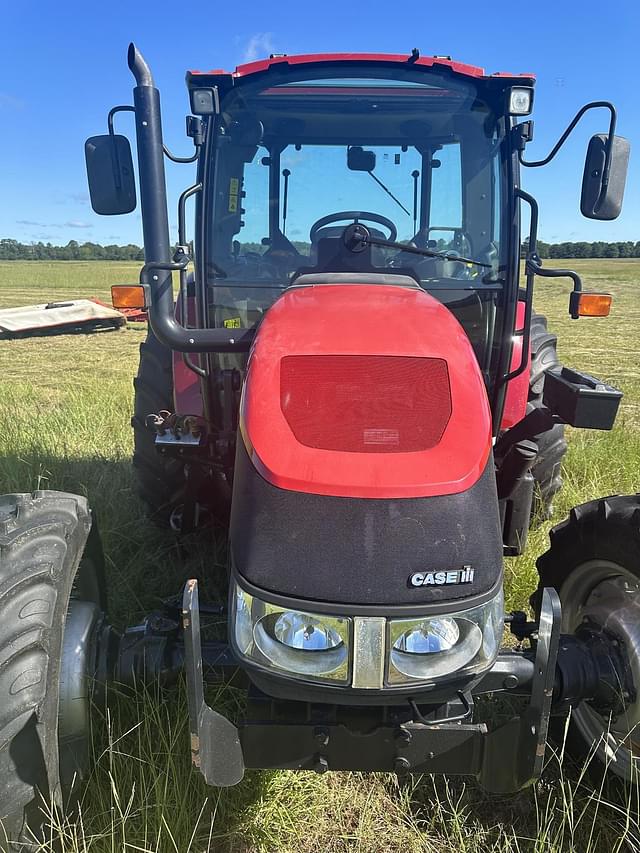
x,y
463,575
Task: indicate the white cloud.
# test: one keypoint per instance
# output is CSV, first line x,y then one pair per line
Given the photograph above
x,y
10,103
259,46
72,223
80,197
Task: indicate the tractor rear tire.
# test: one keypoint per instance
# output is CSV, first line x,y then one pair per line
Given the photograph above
x,y
161,479
594,564
552,445
45,586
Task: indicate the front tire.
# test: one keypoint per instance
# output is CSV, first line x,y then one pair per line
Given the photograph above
x,y
594,564
50,598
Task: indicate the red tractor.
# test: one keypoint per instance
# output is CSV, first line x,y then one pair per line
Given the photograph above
x,y
354,383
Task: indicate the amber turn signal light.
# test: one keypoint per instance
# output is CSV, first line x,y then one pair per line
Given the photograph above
x,y
590,304
128,296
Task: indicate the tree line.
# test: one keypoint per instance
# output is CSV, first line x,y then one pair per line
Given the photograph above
x,y
13,250
626,249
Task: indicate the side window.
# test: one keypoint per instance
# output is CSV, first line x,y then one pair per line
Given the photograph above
x,y
255,203
445,216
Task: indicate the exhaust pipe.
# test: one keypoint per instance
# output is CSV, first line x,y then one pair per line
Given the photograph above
x,y
139,67
159,265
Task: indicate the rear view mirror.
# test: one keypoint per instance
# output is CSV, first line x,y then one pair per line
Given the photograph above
x,y
597,202
360,160
112,186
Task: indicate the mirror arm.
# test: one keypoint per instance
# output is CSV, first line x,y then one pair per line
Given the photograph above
x,y
612,129
123,108
536,268
176,159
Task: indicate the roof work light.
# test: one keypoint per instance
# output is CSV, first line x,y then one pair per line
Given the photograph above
x,y
520,101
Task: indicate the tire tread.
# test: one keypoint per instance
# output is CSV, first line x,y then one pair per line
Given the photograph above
x,y
42,537
160,480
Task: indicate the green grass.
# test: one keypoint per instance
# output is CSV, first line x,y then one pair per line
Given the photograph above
x,y
64,424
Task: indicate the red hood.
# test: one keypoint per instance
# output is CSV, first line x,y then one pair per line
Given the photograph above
x,y
365,391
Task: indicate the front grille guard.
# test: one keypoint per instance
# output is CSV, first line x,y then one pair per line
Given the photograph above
x,y
502,760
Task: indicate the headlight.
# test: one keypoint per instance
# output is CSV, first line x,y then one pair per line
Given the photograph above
x,y
291,641
431,635
458,644
301,631
367,652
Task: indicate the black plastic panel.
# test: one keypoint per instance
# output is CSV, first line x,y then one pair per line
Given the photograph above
x,y
363,551
580,399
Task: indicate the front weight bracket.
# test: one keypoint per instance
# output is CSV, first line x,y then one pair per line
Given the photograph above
x,y
215,744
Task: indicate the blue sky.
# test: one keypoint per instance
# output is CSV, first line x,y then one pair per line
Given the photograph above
x,y
63,65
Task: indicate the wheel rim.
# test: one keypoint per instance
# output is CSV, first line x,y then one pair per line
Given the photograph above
x,y
607,594
78,666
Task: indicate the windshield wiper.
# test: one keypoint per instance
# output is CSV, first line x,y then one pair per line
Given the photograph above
x,y
356,237
388,192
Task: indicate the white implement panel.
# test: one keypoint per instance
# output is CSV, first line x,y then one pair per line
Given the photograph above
x,y
72,315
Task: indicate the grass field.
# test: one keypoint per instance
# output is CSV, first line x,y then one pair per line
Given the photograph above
x,y
64,424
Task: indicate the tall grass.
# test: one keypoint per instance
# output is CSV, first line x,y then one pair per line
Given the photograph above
x,y
64,424
143,796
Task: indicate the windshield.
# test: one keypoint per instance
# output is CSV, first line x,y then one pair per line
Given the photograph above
x,y
417,161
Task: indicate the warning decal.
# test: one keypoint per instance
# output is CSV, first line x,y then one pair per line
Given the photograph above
x,y
234,187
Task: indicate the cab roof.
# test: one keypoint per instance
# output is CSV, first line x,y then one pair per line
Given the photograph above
x,y
277,61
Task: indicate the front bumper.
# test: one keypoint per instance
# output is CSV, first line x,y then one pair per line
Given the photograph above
x,y
281,735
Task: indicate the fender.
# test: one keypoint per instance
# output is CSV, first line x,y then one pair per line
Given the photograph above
x,y
515,401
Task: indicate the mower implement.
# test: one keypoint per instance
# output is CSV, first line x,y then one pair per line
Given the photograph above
x,y
59,318
353,384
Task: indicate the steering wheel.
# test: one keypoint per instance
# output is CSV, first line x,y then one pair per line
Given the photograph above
x,y
356,215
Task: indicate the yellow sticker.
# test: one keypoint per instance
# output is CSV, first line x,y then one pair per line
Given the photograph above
x,y
232,323
234,188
